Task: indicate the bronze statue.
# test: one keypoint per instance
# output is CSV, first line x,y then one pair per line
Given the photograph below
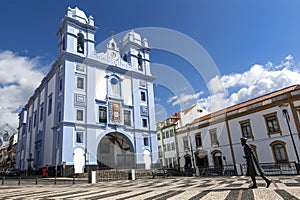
x,y
253,168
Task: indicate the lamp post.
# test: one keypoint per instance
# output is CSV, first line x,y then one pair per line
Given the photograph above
x,y
285,113
191,146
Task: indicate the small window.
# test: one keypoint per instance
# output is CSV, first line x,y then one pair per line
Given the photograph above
x,y
185,143
49,104
41,112
146,141
102,114
246,129
60,85
79,115
213,137
272,124
34,119
198,140
127,117
171,133
80,83
158,136
143,96
145,123
79,137
167,134
173,146
168,147
59,116
29,125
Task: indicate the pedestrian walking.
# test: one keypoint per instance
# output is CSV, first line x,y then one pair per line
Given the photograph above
x,y
253,167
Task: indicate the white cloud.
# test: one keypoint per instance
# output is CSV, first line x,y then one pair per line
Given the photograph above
x,y
184,100
235,88
258,80
19,77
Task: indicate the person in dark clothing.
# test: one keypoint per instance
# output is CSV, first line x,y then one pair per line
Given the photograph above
x,y
253,168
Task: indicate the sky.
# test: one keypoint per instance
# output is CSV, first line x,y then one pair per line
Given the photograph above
x,y
211,52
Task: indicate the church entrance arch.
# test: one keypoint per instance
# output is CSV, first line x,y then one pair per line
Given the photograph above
x,y
115,151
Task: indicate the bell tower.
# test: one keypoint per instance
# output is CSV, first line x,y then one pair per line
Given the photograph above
x,y
136,51
76,33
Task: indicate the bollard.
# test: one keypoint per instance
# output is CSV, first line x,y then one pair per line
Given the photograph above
x,y
73,180
19,181
3,178
55,181
36,178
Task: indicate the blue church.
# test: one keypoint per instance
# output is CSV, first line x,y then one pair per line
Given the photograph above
x,y
93,110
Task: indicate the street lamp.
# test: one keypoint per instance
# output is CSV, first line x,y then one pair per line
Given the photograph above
x,y
191,147
285,113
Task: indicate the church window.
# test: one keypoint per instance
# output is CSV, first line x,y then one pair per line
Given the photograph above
x,y
102,114
115,87
127,118
146,141
144,123
143,96
140,62
79,115
80,43
80,83
79,137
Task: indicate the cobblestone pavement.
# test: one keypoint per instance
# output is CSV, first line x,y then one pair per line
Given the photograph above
x,y
282,187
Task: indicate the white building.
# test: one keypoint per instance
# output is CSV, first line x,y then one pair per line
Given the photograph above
x,y
166,135
93,109
214,139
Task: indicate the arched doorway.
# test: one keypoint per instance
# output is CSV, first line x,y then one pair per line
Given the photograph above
x,y
147,159
187,161
217,158
201,159
79,160
115,151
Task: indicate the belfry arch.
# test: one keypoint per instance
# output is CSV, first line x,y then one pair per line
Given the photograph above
x,y
115,151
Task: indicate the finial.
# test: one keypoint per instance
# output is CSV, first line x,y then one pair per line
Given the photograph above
x,y
112,34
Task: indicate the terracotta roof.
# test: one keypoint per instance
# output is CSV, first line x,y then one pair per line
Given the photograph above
x,y
249,102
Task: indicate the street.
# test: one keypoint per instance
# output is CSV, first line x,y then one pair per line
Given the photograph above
x,y
282,187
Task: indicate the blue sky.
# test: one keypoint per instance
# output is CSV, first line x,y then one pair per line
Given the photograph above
x,y
255,45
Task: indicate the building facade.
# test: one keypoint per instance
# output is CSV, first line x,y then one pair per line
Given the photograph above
x,y
93,109
214,139
166,135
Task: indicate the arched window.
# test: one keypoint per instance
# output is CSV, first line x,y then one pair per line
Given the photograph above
x,y
140,62
115,87
279,152
80,43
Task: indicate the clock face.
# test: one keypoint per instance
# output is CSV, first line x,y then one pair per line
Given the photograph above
x,y
113,54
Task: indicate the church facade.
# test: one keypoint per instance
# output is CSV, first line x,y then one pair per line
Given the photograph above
x,y
93,110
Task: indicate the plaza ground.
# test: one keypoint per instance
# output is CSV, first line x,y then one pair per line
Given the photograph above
x,y
234,187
